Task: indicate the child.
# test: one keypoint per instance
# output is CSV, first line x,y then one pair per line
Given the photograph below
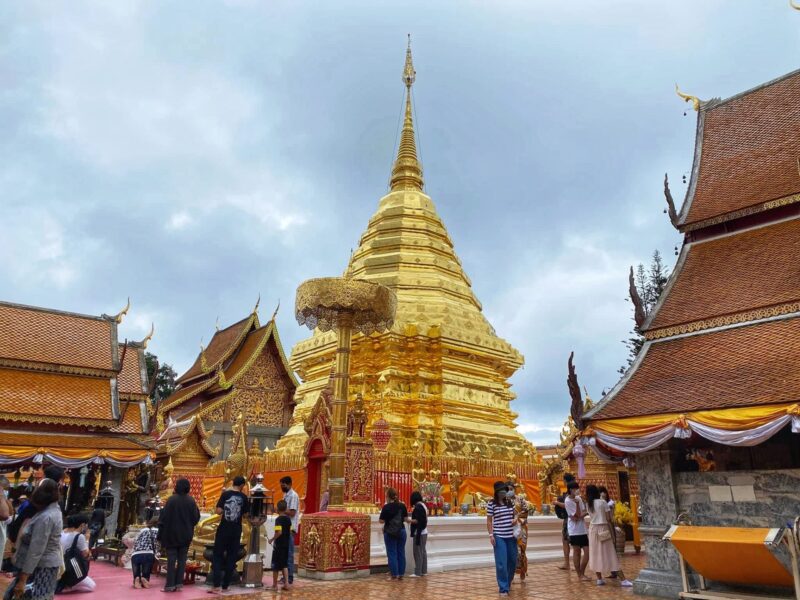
x,y
280,547
144,554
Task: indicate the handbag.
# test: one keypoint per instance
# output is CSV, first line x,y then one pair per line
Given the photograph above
x,y
517,530
604,534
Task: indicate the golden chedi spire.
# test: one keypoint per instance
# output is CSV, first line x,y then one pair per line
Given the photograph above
x,y
445,370
407,172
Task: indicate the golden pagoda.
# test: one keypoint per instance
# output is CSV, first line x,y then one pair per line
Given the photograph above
x,y
439,377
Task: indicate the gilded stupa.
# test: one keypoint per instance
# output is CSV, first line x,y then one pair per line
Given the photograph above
x,y
440,375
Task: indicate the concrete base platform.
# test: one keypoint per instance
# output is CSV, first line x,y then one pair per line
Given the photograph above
x,y
463,543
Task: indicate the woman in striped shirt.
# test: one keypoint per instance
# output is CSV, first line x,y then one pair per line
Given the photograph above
x,y
500,521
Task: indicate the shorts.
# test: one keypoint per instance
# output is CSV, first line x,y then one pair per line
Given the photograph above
x,y
280,558
564,534
581,541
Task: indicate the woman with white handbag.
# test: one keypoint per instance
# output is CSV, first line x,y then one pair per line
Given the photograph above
x,y
602,554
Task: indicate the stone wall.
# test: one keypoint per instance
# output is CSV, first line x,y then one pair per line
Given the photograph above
x,y
764,498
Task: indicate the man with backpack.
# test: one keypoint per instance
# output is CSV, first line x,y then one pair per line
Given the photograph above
x,y
76,556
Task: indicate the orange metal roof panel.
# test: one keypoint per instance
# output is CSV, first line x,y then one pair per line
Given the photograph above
x,y
53,395
736,273
749,365
41,335
55,440
131,419
749,150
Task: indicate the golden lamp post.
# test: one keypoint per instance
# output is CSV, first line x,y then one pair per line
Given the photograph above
x,y
336,543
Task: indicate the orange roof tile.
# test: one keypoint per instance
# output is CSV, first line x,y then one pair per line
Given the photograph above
x,y
54,397
131,419
749,149
57,440
747,365
47,336
252,345
130,377
222,345
733,274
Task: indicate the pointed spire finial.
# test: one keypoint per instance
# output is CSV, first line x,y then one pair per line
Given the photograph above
x,y
255,308
216,323
794,5
696,102
673,214
407,172
277,308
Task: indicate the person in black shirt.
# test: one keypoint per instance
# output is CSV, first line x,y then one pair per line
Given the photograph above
x,y
232,506
280,548
561,513
419,533
175,532
393,516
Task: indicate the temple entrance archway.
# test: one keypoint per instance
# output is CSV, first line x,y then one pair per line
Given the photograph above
x,y
316,459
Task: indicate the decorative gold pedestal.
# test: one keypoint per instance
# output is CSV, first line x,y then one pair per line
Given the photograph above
x,y
334,545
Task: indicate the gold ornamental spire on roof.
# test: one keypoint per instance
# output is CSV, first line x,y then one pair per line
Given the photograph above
x,y
407,172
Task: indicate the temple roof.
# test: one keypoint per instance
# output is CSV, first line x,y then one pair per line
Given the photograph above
x,y
40,335
746,154
56,398
222,345
239,359
731,276
133,418
750,364
132,378
61,440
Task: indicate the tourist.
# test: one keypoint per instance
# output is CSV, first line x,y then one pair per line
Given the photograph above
x,y
175,531
419,533
561,513
280,546
6,512
293,512
602,553
604,495
73,542
393,516
38,554
97,523
232,506
500,521
143,557
576,528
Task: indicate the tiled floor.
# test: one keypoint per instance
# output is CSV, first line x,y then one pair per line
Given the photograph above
x,y
545,582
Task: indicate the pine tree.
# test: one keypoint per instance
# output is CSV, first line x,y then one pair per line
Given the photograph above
x,y
650,284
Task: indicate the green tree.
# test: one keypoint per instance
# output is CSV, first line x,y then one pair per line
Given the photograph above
x,y
650,284
165,377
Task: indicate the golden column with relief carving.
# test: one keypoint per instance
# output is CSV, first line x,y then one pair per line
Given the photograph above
x,y
344,305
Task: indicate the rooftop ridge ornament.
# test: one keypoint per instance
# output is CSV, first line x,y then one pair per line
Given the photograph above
x,y
118,317
275,313
673,214
639,315
258,301
149,336
696,102
794,5
407,172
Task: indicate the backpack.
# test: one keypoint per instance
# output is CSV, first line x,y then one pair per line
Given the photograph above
x,y
394,525
561,512
76,566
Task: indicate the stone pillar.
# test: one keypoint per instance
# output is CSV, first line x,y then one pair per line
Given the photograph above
x,y
658,500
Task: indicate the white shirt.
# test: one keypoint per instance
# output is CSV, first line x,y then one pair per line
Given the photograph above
x,y
293,502
68,537
575,527
599,514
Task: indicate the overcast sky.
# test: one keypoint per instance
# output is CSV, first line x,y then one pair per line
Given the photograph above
x,y
193,155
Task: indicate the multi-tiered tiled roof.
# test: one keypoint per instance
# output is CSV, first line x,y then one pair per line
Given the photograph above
x,y
726,331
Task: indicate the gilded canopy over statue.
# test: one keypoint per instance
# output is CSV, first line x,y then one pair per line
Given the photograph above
x,y
322,303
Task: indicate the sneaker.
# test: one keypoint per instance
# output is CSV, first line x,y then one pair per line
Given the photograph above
x,y
413,575
601,582
626,583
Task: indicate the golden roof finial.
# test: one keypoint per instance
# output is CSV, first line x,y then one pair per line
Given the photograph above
x,y
216,323
688,98
258,301
794,5
123,312
203,364
149,336
407,172
275,314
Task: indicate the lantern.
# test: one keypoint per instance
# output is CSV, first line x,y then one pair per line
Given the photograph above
x,y
105,499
